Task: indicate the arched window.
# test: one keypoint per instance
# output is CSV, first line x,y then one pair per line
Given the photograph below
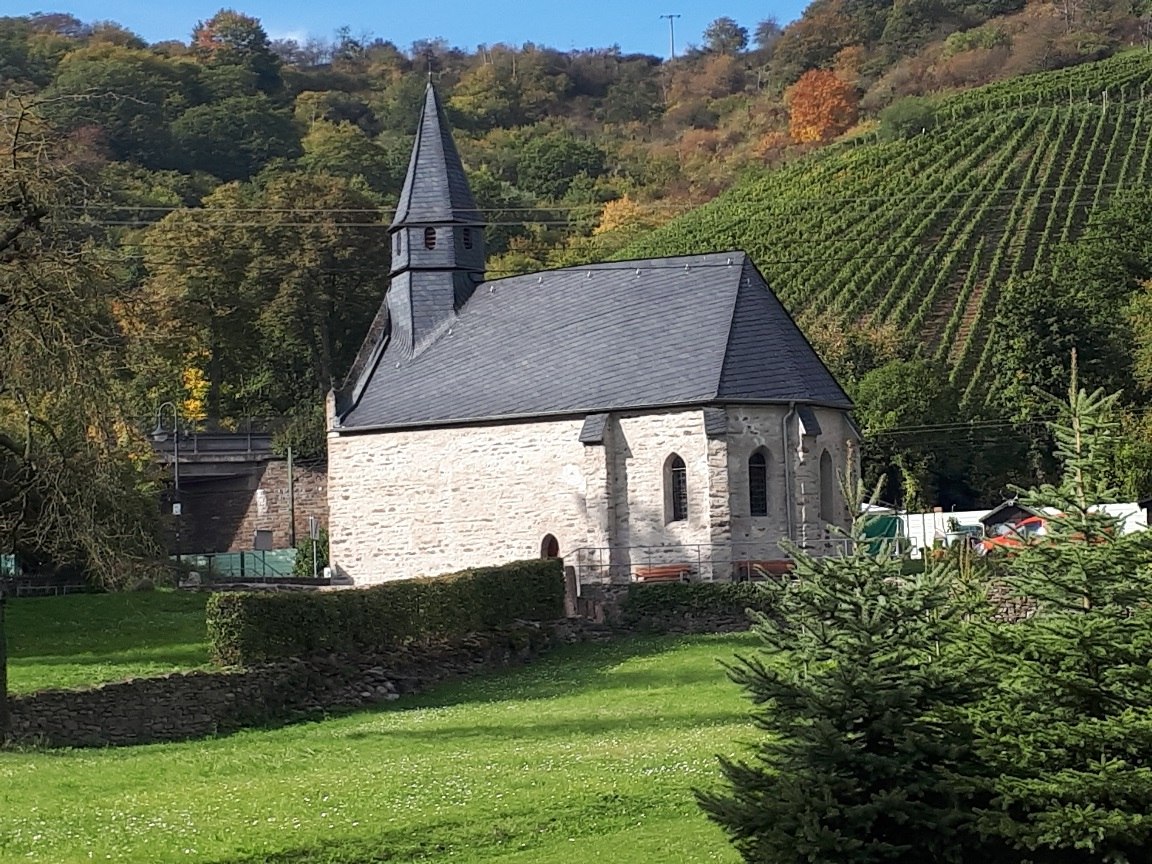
x,y
467,238
549,547
827,488
758,484
675,489
429,238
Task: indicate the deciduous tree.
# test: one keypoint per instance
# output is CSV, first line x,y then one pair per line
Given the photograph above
x,y
821,106
725,36
274,284
72,484
230,38
548,163
131,95
234,138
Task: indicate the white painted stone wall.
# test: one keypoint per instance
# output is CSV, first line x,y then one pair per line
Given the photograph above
x,y
642,445
425,502
759,427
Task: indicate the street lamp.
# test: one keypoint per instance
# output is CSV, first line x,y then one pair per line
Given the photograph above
x,y
159,435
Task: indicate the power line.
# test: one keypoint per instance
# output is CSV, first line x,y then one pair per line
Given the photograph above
x,y
758,216
641,264
758,207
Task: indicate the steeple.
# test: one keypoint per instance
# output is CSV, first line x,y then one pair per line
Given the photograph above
x,y
437,235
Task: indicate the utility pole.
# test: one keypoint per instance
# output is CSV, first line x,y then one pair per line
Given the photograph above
x,y
671,33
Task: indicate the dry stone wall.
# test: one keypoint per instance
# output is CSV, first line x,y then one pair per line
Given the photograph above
x,y
197,704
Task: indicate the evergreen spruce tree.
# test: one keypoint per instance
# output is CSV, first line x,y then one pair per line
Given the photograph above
x,y
853,686
1066,736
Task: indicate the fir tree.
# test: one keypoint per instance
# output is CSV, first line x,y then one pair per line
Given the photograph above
x,y
857,757
1067,734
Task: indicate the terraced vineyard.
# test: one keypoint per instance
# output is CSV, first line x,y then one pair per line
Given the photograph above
x,y
924,231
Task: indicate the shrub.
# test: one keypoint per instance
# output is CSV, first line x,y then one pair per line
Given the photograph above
x,y
302,566
986,36
908,117
246,628
651,605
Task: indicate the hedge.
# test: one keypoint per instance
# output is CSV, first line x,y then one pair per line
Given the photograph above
x,y
246,628
667,601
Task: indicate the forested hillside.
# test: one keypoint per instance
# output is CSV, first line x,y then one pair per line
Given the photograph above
x,y
225,200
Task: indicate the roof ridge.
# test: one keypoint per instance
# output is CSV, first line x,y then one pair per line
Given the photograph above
x,y
627,264
728,353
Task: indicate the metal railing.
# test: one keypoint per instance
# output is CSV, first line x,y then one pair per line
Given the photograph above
x,y
703,562
193,444
243,566
250,436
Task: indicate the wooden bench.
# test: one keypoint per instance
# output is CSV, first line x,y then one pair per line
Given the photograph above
x,y
662,573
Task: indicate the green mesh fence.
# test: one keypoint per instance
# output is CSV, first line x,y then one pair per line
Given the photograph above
x,y
274,564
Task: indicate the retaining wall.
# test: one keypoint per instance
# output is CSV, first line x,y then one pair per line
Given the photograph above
x,y
188,705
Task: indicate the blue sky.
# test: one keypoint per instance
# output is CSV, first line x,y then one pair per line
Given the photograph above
x,y
634,25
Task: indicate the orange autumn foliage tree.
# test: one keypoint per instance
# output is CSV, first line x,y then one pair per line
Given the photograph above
x,y
821,106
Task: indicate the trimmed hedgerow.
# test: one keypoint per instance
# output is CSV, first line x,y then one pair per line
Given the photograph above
x,y
246,628
672,601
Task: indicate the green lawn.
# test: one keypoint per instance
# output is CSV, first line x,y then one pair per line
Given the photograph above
x,y
588,755
85,639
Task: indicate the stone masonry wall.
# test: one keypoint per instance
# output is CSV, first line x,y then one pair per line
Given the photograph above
x,y
422,502
269,506
752,428
643,444
196,704
223,515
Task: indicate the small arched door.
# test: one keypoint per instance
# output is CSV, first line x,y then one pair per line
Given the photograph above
x,y
549,547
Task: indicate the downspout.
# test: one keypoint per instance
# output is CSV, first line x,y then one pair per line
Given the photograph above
x,y
786,458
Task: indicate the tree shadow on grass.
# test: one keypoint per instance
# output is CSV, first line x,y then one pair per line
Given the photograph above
x,y
184,656
437,839
587,668
589,726
125,625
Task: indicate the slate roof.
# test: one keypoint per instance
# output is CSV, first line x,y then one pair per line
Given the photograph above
x,y
693,330
808,422
436,187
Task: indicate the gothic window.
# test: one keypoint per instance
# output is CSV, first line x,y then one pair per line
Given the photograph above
x,y
467,238
758,484
827,487
675,489
429,238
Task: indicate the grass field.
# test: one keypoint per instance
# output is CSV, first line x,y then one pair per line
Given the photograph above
x,y
589,755
85,639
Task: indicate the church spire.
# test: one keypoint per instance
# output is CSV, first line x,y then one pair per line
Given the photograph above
x,y
437,234
436,188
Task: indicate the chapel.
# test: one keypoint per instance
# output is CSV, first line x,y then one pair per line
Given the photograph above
x,y
627,416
